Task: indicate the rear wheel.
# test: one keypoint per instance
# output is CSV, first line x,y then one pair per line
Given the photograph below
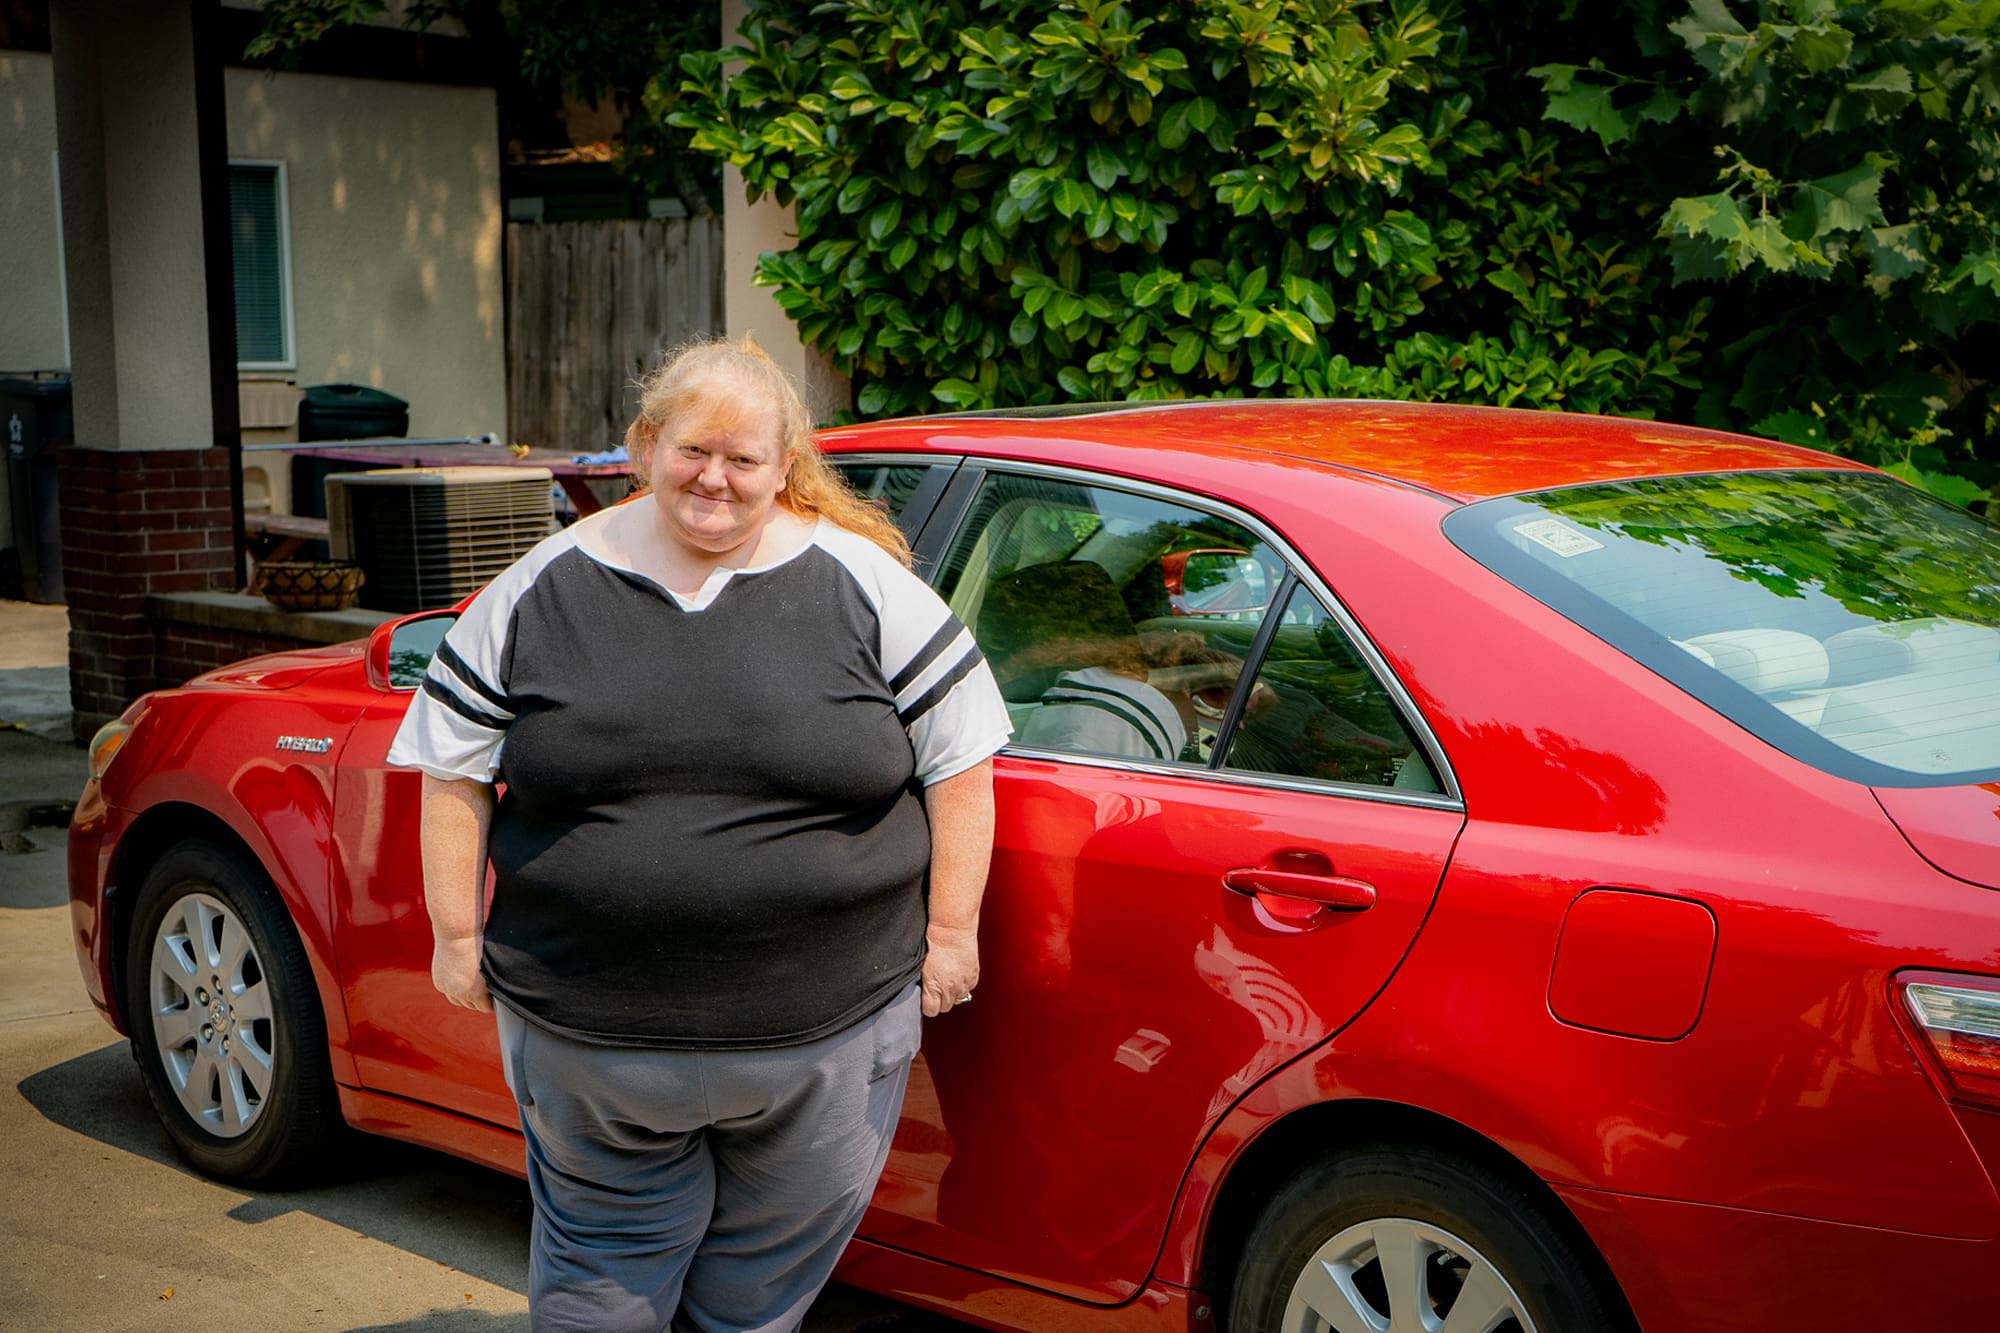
x,y
225,1021
1391,1238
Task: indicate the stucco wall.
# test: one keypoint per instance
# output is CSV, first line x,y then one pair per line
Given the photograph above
x,y
394,197
31,316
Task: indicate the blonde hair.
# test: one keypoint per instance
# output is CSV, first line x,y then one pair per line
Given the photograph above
x,y
714,383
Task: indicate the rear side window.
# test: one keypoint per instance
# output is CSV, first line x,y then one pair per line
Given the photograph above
x,y
1846,618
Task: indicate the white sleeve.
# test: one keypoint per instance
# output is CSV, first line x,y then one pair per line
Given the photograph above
x,y
945,693
459,718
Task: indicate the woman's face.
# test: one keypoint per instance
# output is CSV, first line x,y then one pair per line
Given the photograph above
x,y
716,476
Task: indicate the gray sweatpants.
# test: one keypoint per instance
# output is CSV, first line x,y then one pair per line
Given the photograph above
x,y
709,1190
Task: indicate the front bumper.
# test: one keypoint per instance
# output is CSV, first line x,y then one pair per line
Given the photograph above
x,y
90,898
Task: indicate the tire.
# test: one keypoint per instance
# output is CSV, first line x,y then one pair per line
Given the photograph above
x,y
1324,1254
225,1021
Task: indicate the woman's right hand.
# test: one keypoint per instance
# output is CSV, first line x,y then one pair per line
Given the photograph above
x,y
455,973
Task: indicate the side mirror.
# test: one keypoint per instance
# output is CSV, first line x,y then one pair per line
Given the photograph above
x,y
1221,582
400,652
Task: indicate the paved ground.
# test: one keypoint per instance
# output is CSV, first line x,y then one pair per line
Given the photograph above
x,y
102,1226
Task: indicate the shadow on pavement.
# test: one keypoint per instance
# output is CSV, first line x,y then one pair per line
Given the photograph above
x,y
426,1203
452,1321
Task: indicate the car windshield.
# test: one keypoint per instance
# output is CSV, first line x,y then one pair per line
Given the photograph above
x,y
1847,618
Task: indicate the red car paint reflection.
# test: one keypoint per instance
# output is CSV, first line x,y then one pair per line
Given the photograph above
x,y
1580,932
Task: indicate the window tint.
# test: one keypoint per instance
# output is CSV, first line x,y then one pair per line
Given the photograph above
x,y
1317,711
1116,624
892,484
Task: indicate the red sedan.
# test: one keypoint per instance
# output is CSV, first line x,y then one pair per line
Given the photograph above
x,y
1528,872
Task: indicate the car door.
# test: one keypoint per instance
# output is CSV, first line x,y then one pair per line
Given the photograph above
x,y
405,1038
1217,836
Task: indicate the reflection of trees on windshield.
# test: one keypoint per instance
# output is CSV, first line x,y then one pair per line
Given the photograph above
x,y
1883,550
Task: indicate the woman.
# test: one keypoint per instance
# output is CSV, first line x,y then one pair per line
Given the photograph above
x,y
746,829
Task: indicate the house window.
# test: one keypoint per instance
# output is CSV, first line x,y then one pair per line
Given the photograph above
x,y
259,233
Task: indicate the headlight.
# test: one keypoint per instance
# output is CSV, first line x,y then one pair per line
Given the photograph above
x,y
110,738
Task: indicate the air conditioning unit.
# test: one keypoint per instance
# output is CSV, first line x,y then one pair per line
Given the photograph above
x,y
427,536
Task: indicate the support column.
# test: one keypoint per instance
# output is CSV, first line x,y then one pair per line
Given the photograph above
x,y
146,493
748,230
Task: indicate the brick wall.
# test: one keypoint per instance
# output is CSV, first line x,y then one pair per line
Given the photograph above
x,y
182,652
135,523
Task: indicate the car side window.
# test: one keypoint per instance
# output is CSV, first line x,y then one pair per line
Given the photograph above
x,y
891,483
1117,624
1316,710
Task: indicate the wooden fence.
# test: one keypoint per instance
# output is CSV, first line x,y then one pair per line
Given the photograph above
x,y
590,306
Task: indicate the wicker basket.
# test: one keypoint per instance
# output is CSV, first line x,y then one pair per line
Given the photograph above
x,y
307,585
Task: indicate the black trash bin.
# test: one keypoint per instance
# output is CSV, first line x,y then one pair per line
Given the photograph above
x,y
35,420
351,412
340,412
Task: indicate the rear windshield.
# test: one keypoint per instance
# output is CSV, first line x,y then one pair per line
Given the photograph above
x,y
1846,618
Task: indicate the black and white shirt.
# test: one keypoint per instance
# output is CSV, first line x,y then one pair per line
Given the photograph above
x,y
713,832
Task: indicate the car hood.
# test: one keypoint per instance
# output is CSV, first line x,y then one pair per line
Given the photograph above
x,y
281,671
1956,829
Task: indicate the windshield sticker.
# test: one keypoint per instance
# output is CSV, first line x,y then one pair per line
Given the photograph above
x,y
1562,538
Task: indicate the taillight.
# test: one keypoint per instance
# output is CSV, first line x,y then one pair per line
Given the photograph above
x,y
1957,1019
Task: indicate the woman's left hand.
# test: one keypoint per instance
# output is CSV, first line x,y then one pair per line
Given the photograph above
x,y
951,968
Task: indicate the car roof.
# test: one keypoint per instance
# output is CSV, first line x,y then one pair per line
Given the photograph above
x,y
1464,453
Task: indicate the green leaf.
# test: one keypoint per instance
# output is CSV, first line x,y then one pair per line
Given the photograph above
x,y
1706,20
1981,270
1846,202
1322,236
1945,486
1511,282
1074,382
1187,351
1714,215
1587,106
1801,428
847,87
856,193
1820,50
1555,78
1104,165
882,220
1295,324
1151,286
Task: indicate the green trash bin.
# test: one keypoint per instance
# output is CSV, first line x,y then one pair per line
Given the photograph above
x,y
340,412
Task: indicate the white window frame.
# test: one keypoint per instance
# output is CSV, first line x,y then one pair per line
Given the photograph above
x,y
284,192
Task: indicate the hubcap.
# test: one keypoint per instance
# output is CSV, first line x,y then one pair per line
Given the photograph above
x,y
212,1015
1394,1275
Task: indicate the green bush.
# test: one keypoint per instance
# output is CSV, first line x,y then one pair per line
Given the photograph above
x,y
1650,210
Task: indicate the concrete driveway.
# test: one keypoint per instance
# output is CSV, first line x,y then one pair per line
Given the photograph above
x,y
104,1229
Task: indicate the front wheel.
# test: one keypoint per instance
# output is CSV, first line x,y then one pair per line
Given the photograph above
x,y
225,1021
1394,1238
